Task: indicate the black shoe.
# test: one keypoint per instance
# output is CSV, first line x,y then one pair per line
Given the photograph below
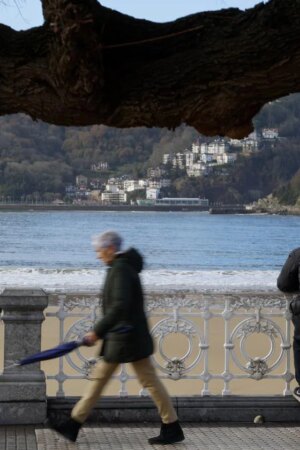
x,y
68,429
169,434
296,393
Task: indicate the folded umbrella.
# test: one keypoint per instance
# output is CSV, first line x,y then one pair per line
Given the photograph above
x,y
51,353
61,350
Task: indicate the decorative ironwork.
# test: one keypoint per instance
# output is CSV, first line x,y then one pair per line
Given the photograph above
x,y
251,303
175,368
189,316
257,368
76,332
88,366
169,326
185,327
175,299
252,327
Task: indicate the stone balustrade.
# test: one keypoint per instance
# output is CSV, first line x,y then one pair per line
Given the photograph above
x,y
22,389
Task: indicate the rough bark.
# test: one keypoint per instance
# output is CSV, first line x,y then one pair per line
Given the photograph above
x,y
213,70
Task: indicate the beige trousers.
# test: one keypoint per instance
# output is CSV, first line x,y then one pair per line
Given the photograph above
x,y
147,377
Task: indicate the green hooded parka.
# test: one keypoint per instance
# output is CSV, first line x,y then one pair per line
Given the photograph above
x,y
123,327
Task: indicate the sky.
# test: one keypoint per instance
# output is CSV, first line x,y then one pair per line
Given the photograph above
x,y
23,14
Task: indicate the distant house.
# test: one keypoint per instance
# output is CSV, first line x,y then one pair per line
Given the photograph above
x,y
235,142
99,167
206,157
70,190
190,158
81,181
179,160
196,170
152,193
155,172
110,187
226,158
167,158
195,148
218,147
114,198
249,145
95,183
270,133
159,183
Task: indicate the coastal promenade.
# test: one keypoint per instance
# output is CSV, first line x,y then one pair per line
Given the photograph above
x,y
134,437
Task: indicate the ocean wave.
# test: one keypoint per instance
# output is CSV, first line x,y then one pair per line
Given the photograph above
x,y
91,280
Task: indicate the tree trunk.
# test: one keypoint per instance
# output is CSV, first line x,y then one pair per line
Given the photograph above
x,y
89,65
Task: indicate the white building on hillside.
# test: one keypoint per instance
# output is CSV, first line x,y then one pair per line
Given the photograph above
x,y
226,158
114,198
196,170
132,185
218,147
204,148
189,159
196,148
158,184
249,145
179,160
111,188
207,158
119,182
167,158
152,193
143,183
270,133
155,172
230,158
235,142
99,167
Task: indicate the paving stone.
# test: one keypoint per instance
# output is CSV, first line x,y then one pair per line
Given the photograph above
x,y
198,437
17,438
134,437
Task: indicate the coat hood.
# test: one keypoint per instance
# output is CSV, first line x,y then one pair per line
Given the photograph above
x,y
134,258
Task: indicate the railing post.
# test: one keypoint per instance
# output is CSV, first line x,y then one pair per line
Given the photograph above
x,y
22,388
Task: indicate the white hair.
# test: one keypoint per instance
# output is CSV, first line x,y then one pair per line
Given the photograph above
x,y
107,239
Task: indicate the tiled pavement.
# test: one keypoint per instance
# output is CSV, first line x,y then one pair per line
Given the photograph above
x,y
134,437
17,437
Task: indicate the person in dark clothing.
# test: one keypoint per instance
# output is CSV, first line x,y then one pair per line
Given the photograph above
x,y
288,281
126,339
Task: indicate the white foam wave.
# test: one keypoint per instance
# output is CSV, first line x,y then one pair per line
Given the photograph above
x,y
53,280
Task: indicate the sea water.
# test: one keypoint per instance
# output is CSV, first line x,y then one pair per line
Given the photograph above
x,y
181,250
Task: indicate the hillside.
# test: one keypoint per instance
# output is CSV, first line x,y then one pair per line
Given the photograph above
x,y
37,159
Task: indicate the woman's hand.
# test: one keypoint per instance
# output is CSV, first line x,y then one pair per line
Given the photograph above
x,y
90,338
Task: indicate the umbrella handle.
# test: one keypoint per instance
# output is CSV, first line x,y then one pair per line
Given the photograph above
x,y
85,343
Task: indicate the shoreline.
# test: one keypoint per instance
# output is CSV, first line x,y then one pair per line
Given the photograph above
x,y
24,207
179,282
223,210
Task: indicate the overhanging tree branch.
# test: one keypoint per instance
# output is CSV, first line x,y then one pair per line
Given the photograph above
x,y
88,64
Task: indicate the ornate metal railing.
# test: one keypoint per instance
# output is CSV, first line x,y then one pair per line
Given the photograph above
x,y
210,339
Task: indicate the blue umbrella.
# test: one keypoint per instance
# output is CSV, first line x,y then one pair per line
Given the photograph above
x,y
51,353
62,349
